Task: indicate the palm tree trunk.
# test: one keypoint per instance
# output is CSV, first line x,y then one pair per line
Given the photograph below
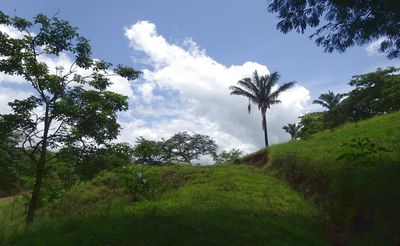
x,y
264,125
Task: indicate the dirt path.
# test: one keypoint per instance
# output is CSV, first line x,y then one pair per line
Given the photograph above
x,y
7,198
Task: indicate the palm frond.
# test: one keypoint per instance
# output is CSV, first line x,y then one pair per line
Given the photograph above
x,y
322,103
329,99
282,88
241,92
248,84
271,81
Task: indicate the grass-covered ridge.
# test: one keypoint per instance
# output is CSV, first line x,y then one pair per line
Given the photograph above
x,y
352,173
177,205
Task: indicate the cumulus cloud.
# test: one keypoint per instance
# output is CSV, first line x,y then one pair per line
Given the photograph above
x,y
9,82
196,88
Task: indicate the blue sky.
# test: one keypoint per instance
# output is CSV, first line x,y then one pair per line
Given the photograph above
x,y
229,33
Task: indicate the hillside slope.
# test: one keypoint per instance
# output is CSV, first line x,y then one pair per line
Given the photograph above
x,y
177,205
352,173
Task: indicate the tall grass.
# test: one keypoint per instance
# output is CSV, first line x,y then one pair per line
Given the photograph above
x,y
184,205
352,173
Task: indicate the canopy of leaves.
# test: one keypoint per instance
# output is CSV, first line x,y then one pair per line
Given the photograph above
x,y
183,147
342,24
87,163
228,157
292,129
11,161
148,151
311,123
329,99
67,107
375,93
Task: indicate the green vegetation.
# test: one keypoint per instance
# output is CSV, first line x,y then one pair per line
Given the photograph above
x,y
329,99
177,205
374,93
292,129
342,24
352,174
339,181
76,108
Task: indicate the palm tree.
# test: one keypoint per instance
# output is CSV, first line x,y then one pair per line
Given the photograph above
x,y
292,129
260,91
329,99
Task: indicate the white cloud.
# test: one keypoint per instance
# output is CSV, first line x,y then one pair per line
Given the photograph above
x,y
198,86
373,48
8,95
119,84
12,32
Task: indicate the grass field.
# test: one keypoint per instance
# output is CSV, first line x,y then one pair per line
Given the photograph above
x,y
339,186
184,205
352,174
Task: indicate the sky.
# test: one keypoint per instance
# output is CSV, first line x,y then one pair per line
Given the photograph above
x,y
190,52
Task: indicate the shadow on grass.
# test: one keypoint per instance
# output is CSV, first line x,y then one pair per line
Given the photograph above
x,y
151,224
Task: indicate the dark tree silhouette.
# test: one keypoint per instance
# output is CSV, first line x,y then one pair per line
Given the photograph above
x,y
329,99
260,91
342,24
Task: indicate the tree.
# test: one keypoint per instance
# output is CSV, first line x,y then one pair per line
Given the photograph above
x,y
70,106
148,151
311,123
88,162
11,161
231,156
329,99
342,24
260,91
375,93
183,147
292,129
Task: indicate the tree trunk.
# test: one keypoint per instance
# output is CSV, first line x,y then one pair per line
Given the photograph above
x,y
40,167
264,125
33,203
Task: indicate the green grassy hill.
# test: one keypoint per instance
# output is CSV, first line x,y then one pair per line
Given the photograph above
x,y
351,173
338,187
177,205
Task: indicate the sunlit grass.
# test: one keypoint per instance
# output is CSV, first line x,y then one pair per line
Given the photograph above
x,y
219,205
358,193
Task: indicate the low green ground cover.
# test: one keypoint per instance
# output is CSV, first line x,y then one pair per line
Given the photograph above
x,y
177,205
352,173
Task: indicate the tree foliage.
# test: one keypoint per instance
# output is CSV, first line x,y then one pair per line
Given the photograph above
x,y
183,147
86,163
375,93
12,163
148,151
311,123
260,90
342,24
292,129
329,99
228,157
70,106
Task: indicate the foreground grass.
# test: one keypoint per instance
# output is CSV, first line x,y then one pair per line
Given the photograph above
x,y
352,174
11,216
219,205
